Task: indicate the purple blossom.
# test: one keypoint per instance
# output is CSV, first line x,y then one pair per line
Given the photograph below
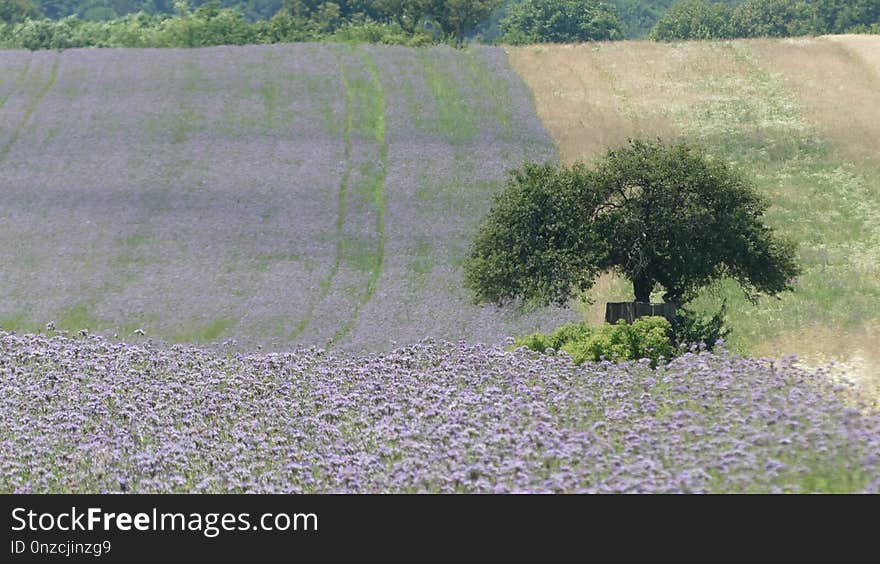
x,y
264,195
88,414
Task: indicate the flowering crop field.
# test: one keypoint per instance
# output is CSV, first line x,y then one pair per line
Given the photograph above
x,y
316,201
274,195
91,415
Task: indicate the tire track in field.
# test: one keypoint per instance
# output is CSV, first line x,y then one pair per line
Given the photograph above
x,y
327,282
18,81
29,111
377,190
364,112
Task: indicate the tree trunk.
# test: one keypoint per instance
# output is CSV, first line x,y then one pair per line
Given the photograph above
x,y
642,287
630,311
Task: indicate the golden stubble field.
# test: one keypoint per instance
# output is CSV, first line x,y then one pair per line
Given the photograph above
x,y
801,116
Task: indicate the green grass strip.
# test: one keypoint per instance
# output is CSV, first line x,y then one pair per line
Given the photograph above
x,y
327,282
29,112
377,189
18,81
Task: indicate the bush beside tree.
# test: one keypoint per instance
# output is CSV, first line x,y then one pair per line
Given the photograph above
x,y
647,337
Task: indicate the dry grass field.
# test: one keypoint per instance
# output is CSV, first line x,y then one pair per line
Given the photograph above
x,y
800,116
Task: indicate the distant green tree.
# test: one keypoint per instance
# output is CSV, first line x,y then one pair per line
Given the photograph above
x,y
639,16
16,11
408,14
325,11
658,214
771,18
210,24
693,19
560,21
844,16
457,18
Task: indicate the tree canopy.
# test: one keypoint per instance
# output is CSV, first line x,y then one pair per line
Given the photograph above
x,y
659,214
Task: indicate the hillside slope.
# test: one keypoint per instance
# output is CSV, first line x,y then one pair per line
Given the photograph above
x,y
801,116
271,194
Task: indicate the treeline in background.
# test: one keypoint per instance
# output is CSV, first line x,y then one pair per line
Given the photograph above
x,y
702,19
64,24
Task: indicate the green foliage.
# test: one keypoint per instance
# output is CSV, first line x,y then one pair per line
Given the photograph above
x,y
210,24
647,337
408,14
48,34
771,18
700,19
693,19
560,21
658,214
532,20
459,17
672,215
569,333
536,243
639,16
536,342
16,11
693,328
384,33
844,16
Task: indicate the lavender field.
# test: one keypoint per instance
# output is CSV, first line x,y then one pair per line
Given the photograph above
x,y
314,194
90,415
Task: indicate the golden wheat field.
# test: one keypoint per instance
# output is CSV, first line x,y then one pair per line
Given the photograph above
x,y
800,116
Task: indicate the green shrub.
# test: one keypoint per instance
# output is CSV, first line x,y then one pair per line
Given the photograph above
x,y
569,333
536,342
651,338
692,328
647,337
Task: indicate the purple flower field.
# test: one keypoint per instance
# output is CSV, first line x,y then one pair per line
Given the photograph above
x,y
317,201
281,194
89,415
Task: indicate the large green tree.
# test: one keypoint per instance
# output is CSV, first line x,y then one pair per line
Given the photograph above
x,y
664,215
